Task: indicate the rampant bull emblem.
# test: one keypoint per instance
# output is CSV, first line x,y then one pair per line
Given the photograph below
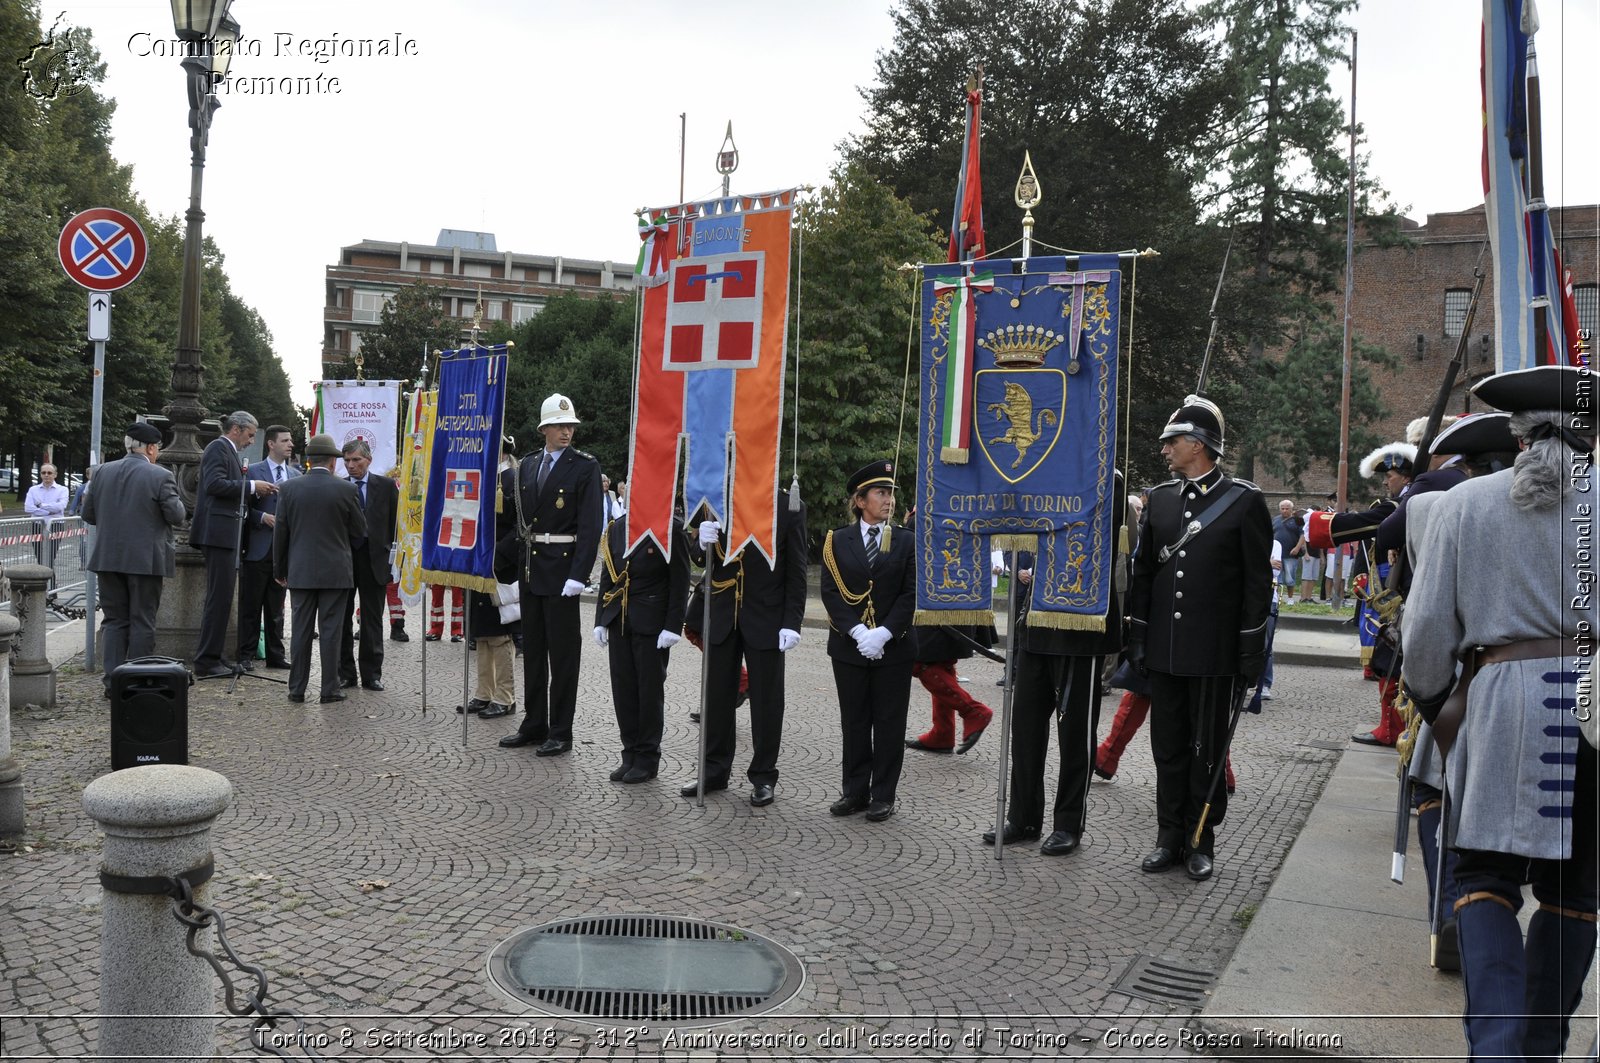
x,y
1028,404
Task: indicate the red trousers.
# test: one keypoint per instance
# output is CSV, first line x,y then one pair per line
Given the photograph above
x,y
1130,717
950,699
436,610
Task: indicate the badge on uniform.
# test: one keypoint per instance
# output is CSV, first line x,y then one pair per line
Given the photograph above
x,y
560,502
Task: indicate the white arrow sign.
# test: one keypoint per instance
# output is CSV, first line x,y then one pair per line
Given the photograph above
x,y
99,317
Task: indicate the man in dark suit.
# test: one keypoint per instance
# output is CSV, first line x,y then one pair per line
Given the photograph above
x,y
260,597
756,610
219,503
1202,587
869,590
549,543
379,499
319,517
138,501
638,617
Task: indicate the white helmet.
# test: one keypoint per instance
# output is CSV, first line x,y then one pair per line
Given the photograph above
x,y
557,409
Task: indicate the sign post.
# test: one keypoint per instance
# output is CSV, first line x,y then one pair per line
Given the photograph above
x,y
103,250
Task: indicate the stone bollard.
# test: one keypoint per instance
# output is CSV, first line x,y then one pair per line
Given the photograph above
x,y
11,801
156,1000
33,680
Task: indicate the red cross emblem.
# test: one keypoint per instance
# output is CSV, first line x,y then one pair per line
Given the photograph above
x,y
714,311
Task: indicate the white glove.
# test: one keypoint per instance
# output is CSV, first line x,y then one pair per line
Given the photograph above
x,y
788,639
857,631
601,637
709,531
666,640
873,642
570,588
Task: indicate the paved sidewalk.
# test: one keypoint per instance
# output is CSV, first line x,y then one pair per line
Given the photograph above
x,y
908,928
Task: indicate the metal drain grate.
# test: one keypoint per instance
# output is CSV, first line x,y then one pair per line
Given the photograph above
x,y
1164,981
646,967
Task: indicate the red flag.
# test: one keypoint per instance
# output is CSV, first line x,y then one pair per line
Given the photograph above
x,y
966,224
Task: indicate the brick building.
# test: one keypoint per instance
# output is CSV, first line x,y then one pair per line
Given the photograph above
x,y
462,263
1412,300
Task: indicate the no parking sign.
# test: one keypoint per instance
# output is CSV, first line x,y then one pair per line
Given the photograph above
x,y
102,249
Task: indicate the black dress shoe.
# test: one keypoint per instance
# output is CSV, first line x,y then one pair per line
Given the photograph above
x,y
298,699
338,695
212,673
879,811
372,684
712,786
476,705
970,741
247,664
517,738
617,773
1160,859
397,632
1198,866
1013,834
346,684
1060,843
847,806
918,743
761,795
278,665
552,747
638,774
494,710
432,636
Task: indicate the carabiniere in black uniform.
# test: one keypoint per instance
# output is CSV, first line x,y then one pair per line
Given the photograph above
x,y
1198,609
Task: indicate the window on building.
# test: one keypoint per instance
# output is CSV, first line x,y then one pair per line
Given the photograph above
x,y
521,312
493,309
1587,298
475,269
368,306
1456,301
355,341
436,265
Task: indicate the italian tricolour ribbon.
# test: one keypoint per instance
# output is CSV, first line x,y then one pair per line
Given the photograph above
x,y
956,431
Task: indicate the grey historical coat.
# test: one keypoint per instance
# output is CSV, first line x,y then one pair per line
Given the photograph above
x,y
136,507
1489,574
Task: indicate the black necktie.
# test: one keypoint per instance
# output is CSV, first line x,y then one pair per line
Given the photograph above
x,y
361,492
872,546
277,474
544,471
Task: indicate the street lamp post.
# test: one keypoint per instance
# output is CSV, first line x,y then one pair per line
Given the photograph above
x,y
210,35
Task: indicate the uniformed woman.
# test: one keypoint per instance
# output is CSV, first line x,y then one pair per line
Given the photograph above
x,y
868,588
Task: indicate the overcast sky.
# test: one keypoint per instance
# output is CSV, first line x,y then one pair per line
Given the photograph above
x,y
548,123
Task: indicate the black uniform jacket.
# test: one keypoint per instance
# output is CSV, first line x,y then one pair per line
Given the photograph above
x,y
763,599
1207,605
568,505
1059,642
890,590
643,590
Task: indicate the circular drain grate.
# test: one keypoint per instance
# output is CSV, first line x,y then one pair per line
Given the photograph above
x,y
646,967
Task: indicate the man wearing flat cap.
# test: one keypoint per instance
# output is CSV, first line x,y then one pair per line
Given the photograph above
x,y
138,501
319,517
1499,623
1198,604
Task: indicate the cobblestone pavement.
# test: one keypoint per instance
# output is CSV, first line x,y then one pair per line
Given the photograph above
x,y
907,929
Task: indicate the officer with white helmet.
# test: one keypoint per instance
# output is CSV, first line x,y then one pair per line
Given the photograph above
x,y
549,535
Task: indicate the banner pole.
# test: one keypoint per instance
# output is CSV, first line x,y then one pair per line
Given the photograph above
x,y
1005,710
424,626
705,674
466,659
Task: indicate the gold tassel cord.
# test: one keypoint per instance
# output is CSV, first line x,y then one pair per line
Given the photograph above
x,y
869,615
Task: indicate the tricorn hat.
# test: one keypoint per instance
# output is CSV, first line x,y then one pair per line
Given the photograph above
x,y
1200,418
1396,457
143,432
557,409
1478,433
322,445
878,473
1571,389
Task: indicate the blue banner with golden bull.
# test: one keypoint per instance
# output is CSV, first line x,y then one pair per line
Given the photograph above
x,y
1023,355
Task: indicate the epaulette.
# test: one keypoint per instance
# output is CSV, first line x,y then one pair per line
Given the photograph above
x,y
1242,482
1168,483
582,454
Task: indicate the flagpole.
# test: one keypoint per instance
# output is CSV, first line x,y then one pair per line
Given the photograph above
x,y
1349,286
1539,213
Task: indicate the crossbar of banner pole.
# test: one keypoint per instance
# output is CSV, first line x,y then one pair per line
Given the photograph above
x,y
1072,258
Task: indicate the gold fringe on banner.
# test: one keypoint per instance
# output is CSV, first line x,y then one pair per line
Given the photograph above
x,y
953,455
1027,542
1065,621
459,579
953,617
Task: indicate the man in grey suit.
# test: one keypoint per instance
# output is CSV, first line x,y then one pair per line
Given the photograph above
x,y
318,518
140,498
219,501
379,499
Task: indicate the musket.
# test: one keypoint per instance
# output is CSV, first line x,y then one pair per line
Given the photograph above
x,y
1205,359
1457,362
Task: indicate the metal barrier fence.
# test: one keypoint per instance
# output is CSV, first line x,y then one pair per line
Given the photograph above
x,y
61,544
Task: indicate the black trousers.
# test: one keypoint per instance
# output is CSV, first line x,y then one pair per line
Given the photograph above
x,y
551,642
766,709
316,612
1188,736
872,724
260,606
218,609
1066,689
374,607
638,693
129,603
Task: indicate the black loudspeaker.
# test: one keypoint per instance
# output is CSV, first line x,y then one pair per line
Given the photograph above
x,y
149,713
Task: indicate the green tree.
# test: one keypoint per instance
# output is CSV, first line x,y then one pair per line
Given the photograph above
x,y
411,323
